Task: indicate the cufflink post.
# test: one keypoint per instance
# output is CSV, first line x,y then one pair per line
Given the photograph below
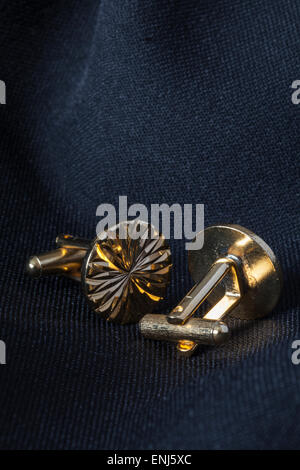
x,y
66,259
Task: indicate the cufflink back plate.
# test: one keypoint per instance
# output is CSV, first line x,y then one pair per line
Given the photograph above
x,y
237,272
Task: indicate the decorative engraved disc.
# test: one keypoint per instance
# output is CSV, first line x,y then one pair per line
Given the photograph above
x,y
127,271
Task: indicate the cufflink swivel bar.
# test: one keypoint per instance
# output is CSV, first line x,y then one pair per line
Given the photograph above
x,y
208,330
237,272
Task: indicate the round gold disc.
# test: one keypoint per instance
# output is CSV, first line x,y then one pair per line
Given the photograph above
x,y
127,271
259,269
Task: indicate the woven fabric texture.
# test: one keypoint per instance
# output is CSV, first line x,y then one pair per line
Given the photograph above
x,y
163,101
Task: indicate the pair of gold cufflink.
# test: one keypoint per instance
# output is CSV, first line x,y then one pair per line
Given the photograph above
x,y
123,277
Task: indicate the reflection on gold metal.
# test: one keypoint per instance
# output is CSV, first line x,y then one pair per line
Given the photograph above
x,y
222,307
153,297
232,293
186,348
237,272
123,277
185,345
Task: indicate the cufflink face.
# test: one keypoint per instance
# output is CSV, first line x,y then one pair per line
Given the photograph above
x,y
259,271
124,276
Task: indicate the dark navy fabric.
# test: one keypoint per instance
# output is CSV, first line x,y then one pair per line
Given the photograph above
x,y
163,101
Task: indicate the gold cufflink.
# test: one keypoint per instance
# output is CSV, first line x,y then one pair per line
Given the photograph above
x,y
237,272
124,271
